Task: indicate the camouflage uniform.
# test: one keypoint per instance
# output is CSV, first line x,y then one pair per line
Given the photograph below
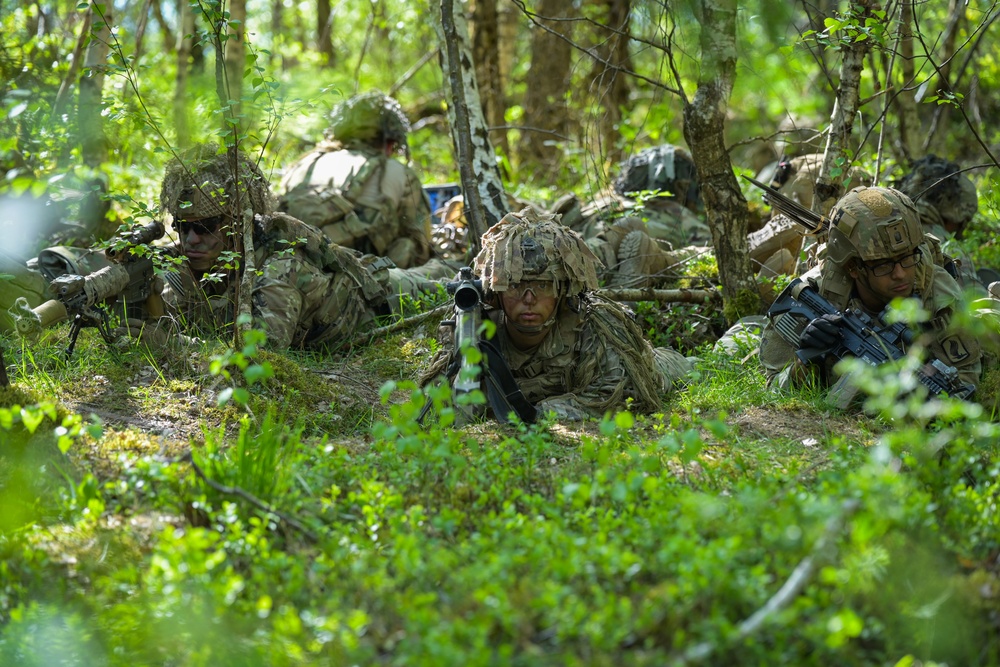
x,y
306,292
357,195
872,224
947,202
593,356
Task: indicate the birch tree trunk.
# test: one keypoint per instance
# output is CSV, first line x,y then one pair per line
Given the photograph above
x,y
836,159
482,186
704,129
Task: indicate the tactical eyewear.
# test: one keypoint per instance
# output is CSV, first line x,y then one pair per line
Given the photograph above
x,y
538,288
202,227
889,265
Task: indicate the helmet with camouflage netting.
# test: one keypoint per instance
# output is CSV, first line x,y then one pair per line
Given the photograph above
x,y
527,246
873,223
665,168
940,192
203,183
370,119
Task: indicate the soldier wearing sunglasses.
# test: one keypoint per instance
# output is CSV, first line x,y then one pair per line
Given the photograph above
x,y
307,292
877,254
570,351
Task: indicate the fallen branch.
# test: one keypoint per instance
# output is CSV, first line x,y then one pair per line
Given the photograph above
x,y
822,552
249,497
403,323
663,295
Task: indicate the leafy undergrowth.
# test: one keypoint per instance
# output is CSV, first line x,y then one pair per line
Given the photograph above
x,y
311,520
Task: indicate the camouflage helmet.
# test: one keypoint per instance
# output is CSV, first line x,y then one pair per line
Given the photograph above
x,y
535,246
873,223
668,168
203,183
371,118
940,191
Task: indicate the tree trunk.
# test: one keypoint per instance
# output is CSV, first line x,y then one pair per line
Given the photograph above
x,y
546,115
486,55
910,135
168,35
184,37
90,123
74,66
611,85
236,50
836,160
704,129
277,30
324,31
482,187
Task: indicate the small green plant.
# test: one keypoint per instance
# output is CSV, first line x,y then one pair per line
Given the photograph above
x,y
242,363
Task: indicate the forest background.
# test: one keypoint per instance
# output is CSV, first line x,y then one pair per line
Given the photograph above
x,y
250,507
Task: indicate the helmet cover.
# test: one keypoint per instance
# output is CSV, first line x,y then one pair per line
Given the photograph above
x,y
202,183
528,245
873,223
370,118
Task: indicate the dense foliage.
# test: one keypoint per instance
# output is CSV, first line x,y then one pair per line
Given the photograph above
x,y
247,507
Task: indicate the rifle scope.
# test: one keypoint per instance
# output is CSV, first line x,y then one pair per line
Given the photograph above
x,y
468,291
138,236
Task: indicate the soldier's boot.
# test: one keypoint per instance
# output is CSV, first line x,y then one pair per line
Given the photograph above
x,y
640,261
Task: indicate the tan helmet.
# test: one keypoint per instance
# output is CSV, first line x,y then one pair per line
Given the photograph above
x,y
370,118
535,246
204,183
873,223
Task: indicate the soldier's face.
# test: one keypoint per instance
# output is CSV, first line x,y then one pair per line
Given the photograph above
x,y
877,291
531,303
202,241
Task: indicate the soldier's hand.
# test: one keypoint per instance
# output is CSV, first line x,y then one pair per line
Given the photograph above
x,y
153,334
820,336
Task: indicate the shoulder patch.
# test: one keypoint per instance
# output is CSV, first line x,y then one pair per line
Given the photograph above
x,y
955,349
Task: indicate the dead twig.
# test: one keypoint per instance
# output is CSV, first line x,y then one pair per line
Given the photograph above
x,y
249,497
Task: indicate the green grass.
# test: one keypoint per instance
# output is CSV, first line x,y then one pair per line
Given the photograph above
x,y
629,540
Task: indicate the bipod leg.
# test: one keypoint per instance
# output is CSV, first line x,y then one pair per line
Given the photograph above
x,y
74,333
4,382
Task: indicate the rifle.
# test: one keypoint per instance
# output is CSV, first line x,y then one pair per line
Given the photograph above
x,y
812,221
493,376
126,285
861,337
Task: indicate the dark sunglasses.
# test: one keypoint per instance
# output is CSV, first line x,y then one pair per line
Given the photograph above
x,y
202,227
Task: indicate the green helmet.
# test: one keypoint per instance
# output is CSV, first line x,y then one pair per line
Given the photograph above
x,y
203,182
371,118
872,224
535,246
940,191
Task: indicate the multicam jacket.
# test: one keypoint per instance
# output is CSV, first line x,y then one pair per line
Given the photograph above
x,y
938,293
361,199
308,293
592,361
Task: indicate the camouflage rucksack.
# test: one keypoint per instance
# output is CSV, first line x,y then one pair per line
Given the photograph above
x,y
665,168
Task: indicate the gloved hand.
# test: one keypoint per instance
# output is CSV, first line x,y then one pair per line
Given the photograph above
x,y
153,334
820,336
